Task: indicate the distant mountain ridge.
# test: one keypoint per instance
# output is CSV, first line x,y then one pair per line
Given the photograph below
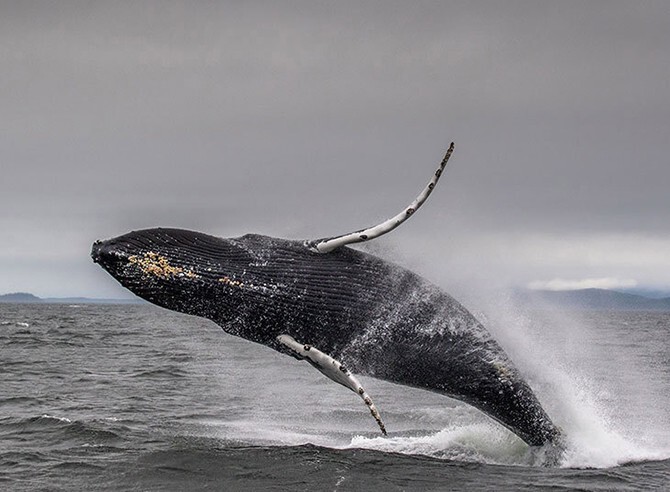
x,y
19,297
593,299
27,298
596,299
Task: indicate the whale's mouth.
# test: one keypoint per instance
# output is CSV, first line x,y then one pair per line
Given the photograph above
x,y
108,255
104,254
116,257
96,252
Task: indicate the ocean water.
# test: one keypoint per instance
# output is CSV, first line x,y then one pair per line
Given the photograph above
x,y
133,397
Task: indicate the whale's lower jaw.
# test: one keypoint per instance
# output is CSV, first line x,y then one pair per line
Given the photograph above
x,y
377,318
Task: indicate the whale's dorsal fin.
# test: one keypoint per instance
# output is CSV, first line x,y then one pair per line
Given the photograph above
x,y
333,369
326,245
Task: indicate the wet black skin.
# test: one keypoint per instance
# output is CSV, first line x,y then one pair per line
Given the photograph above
x,y
379,319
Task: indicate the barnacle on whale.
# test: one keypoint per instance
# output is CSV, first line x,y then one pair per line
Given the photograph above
x,y
155,264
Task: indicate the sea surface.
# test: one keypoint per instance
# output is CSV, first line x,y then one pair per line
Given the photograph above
x,y
133,397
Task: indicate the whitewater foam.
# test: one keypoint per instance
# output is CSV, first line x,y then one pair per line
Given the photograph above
x,y
481,442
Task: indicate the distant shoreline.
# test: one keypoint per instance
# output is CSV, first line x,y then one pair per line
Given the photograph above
x,y
592,299
27,298
584,299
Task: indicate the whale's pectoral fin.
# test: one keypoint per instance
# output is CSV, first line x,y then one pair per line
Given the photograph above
x,y
331,368
326,245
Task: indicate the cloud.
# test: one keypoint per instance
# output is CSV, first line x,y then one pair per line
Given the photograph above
x,y
315,118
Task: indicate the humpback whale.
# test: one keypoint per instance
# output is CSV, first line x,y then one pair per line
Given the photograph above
x,y
342,310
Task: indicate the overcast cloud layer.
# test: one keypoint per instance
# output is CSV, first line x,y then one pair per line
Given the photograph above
x,y
306,119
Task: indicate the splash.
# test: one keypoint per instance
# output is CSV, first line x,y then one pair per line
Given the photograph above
x,y
481,442
606,390
600,383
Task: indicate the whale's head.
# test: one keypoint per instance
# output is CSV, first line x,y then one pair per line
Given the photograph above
x,y
251,285
195,273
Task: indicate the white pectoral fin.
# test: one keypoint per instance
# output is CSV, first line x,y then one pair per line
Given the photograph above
x,y
333,369
328,244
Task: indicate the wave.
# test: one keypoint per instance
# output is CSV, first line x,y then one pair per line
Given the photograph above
x,y
57,430
167,372
19,400
20,324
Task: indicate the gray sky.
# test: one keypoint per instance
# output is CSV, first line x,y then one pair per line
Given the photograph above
x,y
307,119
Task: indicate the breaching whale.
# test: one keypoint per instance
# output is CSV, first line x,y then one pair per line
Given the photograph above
x,y
344,311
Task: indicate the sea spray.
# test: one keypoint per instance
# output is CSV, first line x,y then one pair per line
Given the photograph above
x,y
587,384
